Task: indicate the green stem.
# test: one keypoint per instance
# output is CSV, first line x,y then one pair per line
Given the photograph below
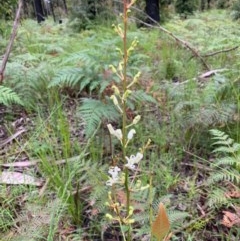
x,y
124,239
124,107
150,203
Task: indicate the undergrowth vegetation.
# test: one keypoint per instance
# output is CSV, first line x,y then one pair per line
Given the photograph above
x,y
57,100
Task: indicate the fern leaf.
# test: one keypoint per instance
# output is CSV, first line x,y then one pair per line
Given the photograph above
x,y
227,161
225,175
226,142
176,217
67,77
225,149
8,96
94,111
218,134
217,197
141,96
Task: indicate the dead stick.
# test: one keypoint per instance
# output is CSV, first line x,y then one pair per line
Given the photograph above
x,y
11,138
10,44
220,51
178,40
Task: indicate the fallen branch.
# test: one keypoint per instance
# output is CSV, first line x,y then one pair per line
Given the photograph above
x,y
220,51
198,165
210,73
35,162
177,39
181,42
11,138
10,44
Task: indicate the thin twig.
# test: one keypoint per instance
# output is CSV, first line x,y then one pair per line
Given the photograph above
x,y
10,44
220,51
11,138
184,227
198,165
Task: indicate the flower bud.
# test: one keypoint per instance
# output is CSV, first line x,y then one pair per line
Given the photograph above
x,y
136,119
109,216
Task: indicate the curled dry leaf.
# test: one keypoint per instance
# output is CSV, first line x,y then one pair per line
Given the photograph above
x,y
17,178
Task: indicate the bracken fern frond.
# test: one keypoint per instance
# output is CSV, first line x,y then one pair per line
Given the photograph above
x,y
217,197
225,175
8,96
94,112
226,168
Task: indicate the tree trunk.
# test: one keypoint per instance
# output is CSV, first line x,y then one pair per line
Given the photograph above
x,y
91,9
208,4
10,44
152,10
65,6
39,10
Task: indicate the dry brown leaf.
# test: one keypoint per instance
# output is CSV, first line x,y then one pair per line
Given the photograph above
x,y
17,178
230,219
233,194
94,211
161,225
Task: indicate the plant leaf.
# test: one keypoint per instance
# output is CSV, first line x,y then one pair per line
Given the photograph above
x,y
161,225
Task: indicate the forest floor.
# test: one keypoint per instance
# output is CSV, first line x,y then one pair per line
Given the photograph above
x,y
53,174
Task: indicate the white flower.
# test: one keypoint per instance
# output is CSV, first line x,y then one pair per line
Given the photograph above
x,y
130,134
113,171
133,160
117,133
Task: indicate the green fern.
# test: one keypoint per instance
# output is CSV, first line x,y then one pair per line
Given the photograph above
x,y
224,175
39,225
139,96
8,96
217,198
97,179
227,161
30,82
176,216
67,77
88,75
231,162
212,104
94,112
226,168
227,145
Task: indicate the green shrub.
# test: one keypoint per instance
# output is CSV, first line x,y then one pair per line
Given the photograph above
x,y
223,4
236,10
86,13
185,6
